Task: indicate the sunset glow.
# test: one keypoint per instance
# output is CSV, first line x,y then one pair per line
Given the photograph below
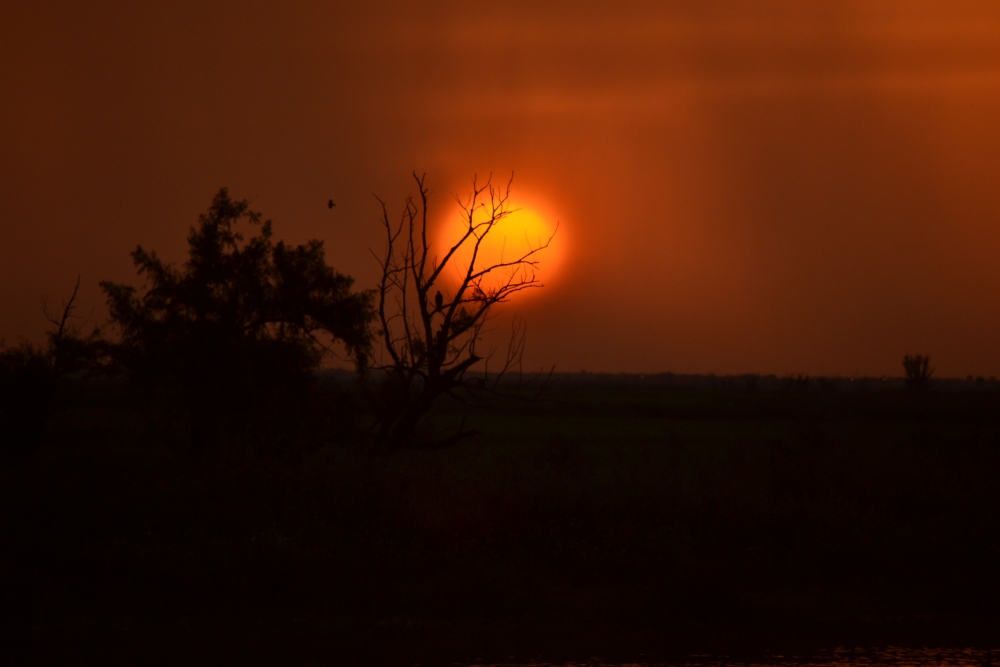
x,y
526,232
646,333
818,177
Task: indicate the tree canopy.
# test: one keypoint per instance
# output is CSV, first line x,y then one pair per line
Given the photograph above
x,y
242,324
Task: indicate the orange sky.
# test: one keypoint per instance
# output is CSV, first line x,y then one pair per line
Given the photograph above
x,y
774,187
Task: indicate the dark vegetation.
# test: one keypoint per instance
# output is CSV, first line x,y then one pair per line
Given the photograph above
x,y
194,488
227,346
600,517
918,371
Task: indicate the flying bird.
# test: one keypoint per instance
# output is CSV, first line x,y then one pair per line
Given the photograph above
x,y
330,204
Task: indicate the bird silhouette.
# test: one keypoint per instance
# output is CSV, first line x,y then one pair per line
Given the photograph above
x,y
438,301
330,204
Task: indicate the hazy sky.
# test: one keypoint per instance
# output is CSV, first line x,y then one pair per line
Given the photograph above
x,y
771,187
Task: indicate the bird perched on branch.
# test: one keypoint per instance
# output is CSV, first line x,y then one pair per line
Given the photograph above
x,y
330,204
438,302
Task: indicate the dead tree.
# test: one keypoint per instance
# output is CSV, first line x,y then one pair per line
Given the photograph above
x,y
432,332
69,350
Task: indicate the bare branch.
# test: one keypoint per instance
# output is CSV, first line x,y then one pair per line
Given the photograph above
x,y
433,341
67,312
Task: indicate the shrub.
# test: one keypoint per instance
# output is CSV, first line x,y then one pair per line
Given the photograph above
x,y
232,339
27,380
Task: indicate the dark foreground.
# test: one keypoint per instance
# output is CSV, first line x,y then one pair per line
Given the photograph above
x,y
612,518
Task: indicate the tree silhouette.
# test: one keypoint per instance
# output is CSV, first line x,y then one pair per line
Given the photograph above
x,y
69,350
238,331
433,341
918,371
27,380
30,374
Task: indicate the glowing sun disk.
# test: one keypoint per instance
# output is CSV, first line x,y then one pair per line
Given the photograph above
x,y
521,234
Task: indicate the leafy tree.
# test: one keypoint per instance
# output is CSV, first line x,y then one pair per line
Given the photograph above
x,y
432,335
234,336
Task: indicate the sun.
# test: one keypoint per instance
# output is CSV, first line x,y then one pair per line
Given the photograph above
x,y
527,231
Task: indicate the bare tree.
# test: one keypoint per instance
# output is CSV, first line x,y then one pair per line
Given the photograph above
x,y
68,348
433,332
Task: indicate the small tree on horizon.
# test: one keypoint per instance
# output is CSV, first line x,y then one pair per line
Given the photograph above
x,y
918,371
433,335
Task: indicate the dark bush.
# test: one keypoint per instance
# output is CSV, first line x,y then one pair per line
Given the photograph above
x,y
230,342
29,376
27,380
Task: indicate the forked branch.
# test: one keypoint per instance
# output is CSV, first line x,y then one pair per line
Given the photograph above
x,y
431,333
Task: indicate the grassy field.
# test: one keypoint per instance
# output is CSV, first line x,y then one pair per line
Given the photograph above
x,y
603,516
